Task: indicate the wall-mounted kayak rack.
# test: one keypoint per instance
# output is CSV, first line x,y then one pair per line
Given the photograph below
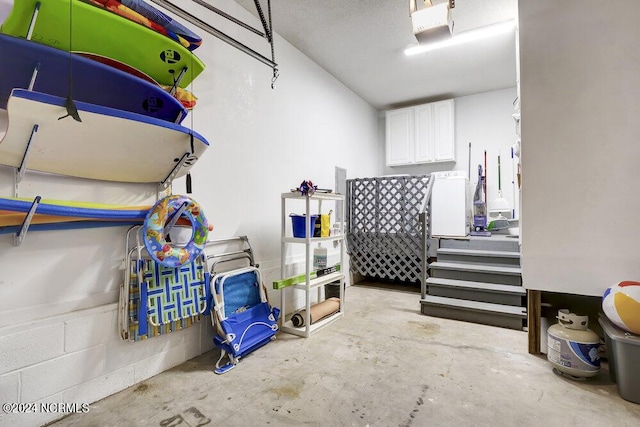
x,y
268,31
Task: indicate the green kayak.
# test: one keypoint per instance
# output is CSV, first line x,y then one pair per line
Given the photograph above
x,y
101,32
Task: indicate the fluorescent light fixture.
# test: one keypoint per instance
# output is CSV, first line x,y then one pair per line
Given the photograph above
x,y
465,37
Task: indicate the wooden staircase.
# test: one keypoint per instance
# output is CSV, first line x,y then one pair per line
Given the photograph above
x,y
477,280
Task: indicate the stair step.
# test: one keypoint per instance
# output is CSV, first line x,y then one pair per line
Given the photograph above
x,y
476,268
479,252
493,243
488,287
493,293
478,256
476,305
474,311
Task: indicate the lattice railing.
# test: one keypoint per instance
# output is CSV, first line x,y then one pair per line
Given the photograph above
x,y
386,231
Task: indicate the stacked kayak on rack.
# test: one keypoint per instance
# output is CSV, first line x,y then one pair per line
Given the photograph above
x,y
104,64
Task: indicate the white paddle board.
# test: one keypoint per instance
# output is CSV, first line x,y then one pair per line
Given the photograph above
x,y
109,144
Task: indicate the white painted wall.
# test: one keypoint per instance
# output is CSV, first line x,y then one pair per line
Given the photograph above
x,y
58,290
580,70
485,120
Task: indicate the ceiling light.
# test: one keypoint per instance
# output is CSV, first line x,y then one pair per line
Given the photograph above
x,y
465,37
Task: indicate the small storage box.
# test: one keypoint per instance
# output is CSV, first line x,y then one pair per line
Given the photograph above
x,y
298,222
623,353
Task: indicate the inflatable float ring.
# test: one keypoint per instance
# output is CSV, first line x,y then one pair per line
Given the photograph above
x,y
153,231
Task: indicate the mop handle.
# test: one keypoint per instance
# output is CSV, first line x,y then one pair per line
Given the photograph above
x,y
485,175
469,167
499,181
513,184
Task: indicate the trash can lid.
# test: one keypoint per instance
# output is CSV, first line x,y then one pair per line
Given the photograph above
x,y
616,333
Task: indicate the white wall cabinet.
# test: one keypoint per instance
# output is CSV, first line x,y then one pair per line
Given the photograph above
x,y
420,134
400,136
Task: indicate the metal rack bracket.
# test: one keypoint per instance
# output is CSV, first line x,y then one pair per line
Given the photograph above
x,y
34,75
19,171
177,81
214,31
20,235
34,18
186,159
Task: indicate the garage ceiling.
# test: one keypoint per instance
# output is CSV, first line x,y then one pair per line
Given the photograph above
x,y
362,43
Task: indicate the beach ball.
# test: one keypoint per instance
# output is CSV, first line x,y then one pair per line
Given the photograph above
x,y
621,304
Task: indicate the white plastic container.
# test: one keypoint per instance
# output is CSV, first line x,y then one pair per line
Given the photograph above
x,y
572,347
319,257
623,353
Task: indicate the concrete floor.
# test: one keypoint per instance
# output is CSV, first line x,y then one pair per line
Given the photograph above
x,y
383,364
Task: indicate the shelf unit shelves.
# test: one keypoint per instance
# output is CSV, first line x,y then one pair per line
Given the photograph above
x,y
312,204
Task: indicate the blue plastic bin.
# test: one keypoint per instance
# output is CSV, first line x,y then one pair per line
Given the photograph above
x,y
297,221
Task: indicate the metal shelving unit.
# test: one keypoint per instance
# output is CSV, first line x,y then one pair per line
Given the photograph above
x,y
313,204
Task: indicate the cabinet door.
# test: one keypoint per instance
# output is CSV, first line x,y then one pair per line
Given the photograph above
x,y
424,134
444,141
399,140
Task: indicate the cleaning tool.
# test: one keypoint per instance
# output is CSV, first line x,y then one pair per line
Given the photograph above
x,y
485,176
513,182
499,205
480,208
469,166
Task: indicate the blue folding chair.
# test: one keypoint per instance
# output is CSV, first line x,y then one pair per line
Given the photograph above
x,y
242,317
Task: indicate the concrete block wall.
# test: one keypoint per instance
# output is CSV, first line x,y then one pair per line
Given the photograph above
x,y
79,358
